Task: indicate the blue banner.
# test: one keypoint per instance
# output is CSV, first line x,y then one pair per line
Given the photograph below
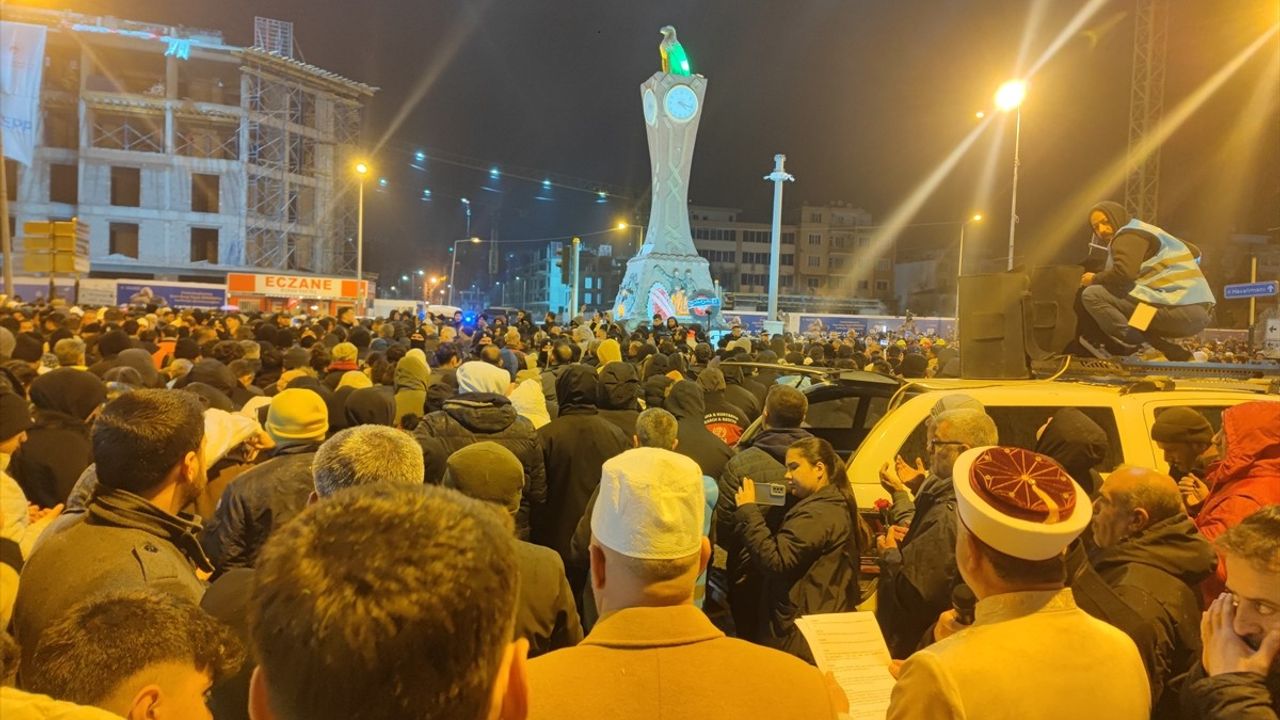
x,y
752,322
814,324
35,289
178,295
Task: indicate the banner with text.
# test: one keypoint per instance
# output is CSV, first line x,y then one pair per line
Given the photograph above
x,y
293,286
177,295
21,65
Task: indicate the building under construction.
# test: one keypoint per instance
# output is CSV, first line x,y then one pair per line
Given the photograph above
x,y
188,157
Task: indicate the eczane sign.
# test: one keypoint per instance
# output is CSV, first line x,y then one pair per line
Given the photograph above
x,y
293,286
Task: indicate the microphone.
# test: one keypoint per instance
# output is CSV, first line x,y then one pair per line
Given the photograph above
x,y
963,601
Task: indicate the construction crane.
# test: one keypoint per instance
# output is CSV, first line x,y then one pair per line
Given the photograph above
x,y
1146,105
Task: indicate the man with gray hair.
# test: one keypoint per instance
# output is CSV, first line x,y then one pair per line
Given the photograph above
x,y
917,564
70,353
365,455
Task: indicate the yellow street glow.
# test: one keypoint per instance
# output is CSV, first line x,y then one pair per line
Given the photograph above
x,y
362,168
977,217
1011,94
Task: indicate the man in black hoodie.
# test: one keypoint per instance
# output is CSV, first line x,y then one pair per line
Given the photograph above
x,y
1151,554
695,441
1152,289
1077,443
763,459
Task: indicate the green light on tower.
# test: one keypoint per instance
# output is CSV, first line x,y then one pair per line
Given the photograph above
x,y
674,59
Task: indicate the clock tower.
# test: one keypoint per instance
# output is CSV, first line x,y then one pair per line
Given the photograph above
x,y
667,277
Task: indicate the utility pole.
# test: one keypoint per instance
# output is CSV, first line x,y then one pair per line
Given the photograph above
x,y
779,175
573,293
6,239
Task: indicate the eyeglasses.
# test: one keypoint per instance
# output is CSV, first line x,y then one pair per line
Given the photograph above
x,y
935,443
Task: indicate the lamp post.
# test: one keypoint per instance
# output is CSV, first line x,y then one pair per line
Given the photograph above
x,y
453,264
1009,99
467,204
977,217
362,170
777,177
623,225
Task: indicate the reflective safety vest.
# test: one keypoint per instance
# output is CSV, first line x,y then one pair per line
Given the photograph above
x,y
1170,277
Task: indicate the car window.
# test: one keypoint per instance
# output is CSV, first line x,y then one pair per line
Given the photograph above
x,y
1212,413
1017,426
833,413
876,409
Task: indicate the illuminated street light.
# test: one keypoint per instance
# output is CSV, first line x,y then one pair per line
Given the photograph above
x,y
1009,99
453,265
979,114
362,169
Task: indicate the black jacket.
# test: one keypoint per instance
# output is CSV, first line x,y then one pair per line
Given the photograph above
x,y
763,461
737,394
574,448
256,502
1078,444
1231,696
809,564
917,578
620,394
695,440
474,417
57,450
546,613
1158,573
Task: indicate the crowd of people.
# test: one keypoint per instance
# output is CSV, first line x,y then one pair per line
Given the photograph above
x,y
276,515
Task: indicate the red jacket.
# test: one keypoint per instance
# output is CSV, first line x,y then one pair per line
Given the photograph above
x,y
1245,480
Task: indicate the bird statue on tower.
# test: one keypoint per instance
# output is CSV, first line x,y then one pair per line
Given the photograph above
x,y
674,59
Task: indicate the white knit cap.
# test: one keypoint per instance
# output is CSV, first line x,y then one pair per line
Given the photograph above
x,y
477,376
1019,502
651,505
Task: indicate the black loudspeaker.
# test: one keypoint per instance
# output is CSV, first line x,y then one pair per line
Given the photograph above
x,y
992,321
1052,318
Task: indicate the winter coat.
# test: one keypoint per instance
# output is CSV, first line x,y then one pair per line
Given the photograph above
x,y
1245,480
1158,573
695,440
1078,444
809,564
620,394
122,542
474,417
58,446
546,613
548,378
763,460
726,420
917,578
574,446
1231,696
369,406
255,503
412,378
737,394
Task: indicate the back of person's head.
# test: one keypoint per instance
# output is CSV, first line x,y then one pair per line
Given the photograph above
x,y
656,428
366,455
137,654
140,437
487,471
785,407
69,351
417,624
972,427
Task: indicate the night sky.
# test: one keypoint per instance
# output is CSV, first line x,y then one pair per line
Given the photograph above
x,y
865,97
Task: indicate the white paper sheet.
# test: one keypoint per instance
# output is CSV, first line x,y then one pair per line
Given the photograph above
x,y
851,647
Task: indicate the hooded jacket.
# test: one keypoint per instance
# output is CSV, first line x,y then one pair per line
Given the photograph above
x,y
1246,479
724,419
762,460
620,394
1078,444
472,417
58,446
737,394
695,440
1129,248
411,379
369,406
1158,572
140,360
574,447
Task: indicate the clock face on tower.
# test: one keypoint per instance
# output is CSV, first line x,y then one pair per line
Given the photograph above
x,y
681,103
650,107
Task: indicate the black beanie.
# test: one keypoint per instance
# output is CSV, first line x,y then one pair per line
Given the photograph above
x,y
28,348
15,415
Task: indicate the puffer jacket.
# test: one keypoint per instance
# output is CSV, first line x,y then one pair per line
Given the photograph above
x,y
761,460
475,417
809,564
1245,480
1078,444
255,503
1158,573
695,440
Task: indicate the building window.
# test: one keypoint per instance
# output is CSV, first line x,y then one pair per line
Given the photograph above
x,y
815,217
862,242
126,187
11,177
788,238
715,234
788,259
587,284
883,264
62,128
204,245
786,281
836,263
64,184
837,283
814,283
757,236
815,261
123,239
815,239
882,285
755,258
205,193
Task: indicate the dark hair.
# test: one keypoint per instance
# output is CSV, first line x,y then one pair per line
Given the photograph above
x,y
1256,539
446,354
226,351
103,641
786,406
816,450
416,623
139,437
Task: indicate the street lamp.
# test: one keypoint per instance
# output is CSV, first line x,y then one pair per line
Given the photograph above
x,y
976,217
362,170
1009,98
453,265
467,204
623,225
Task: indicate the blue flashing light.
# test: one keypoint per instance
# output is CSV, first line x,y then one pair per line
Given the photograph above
x,y
494,172
426,193
469,319
420,156
546,183
382,182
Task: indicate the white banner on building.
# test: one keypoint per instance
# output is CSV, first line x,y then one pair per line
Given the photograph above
x,y
21,65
